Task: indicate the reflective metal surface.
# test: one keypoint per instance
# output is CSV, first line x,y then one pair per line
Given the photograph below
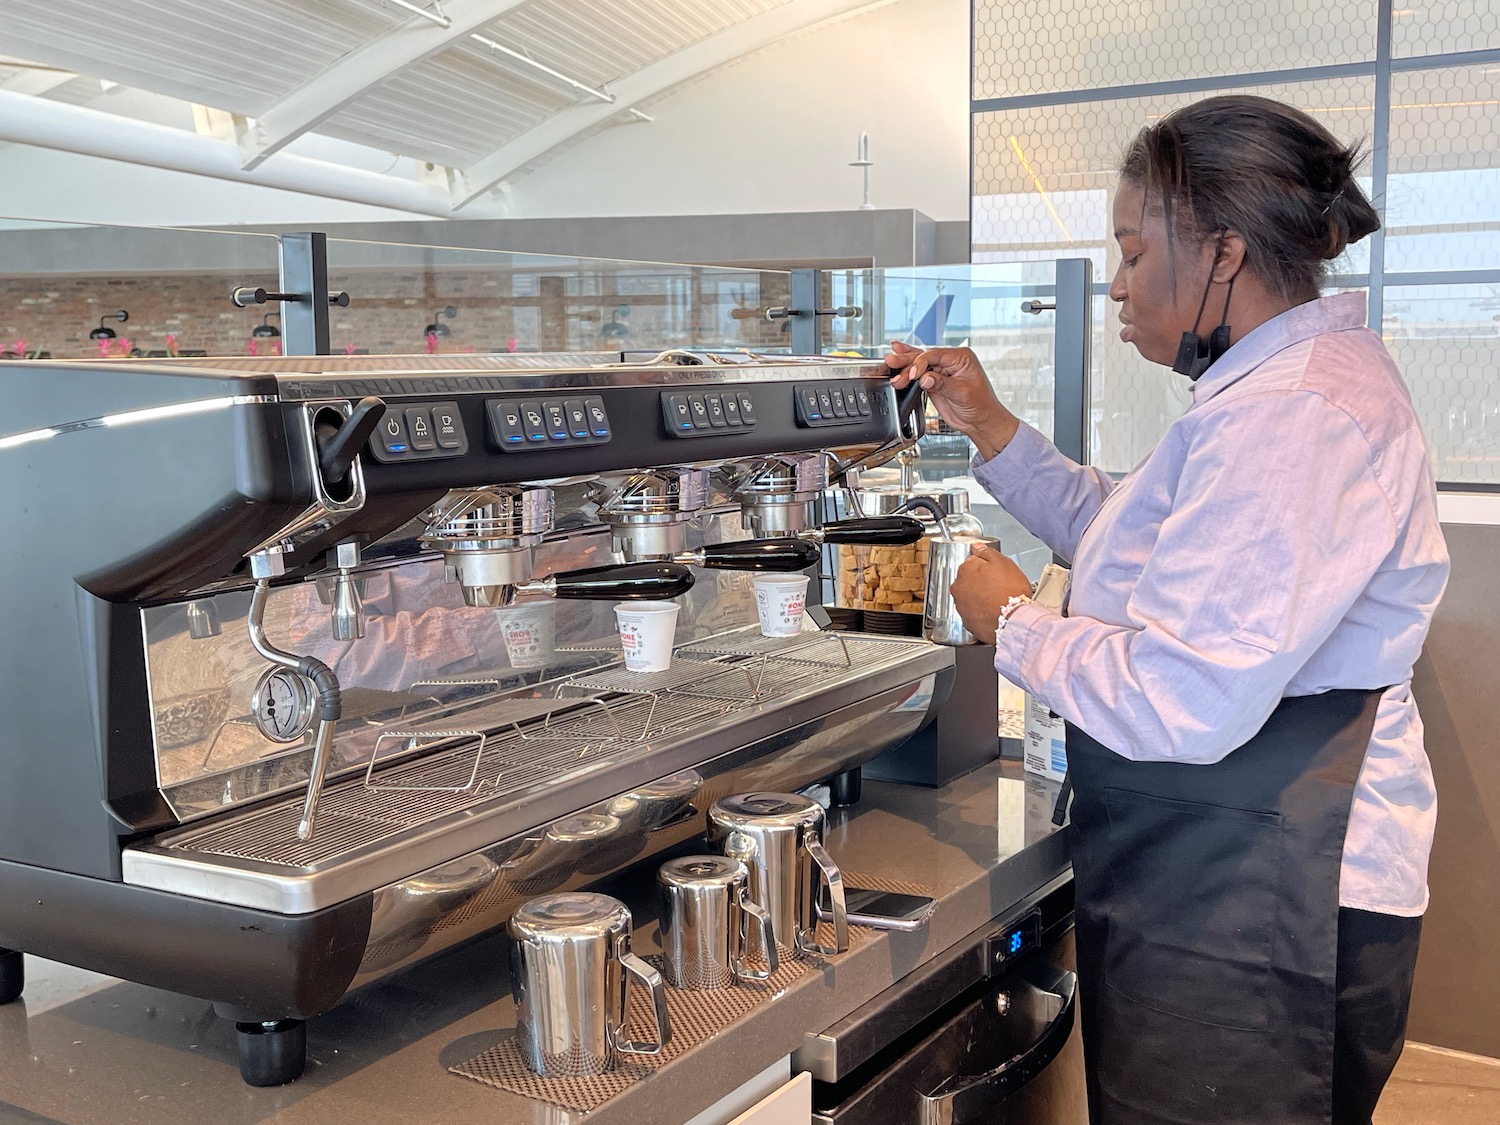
x,y
648,512
776,494
710,925
90,1050
778,836
549,756
571,964
486,537
941,623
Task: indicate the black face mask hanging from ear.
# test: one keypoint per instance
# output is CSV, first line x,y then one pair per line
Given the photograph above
x,y
1194,357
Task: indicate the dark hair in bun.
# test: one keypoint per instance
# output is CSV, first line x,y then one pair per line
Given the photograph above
x,y
1264,170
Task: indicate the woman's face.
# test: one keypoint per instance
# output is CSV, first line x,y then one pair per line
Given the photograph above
x,y
1153,313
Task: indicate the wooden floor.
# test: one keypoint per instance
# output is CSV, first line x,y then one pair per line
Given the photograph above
x,y
1436,1087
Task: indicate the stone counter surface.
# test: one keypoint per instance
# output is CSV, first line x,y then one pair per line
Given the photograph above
x,y
84,1049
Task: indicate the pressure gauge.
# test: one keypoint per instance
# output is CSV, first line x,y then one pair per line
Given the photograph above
x,y
283,704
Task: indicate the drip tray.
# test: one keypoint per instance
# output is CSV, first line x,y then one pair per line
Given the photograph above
x,y
463,778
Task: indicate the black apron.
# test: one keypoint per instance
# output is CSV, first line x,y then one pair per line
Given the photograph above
x,y
1207,920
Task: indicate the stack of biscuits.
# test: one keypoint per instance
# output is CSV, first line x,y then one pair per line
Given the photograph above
x,y
883,578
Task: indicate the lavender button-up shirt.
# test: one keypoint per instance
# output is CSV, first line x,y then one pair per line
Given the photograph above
x,y
1281,540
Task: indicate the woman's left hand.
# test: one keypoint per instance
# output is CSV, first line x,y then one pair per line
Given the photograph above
x,y
984,584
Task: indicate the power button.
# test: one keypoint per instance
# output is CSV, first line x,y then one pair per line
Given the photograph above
x,y
391,434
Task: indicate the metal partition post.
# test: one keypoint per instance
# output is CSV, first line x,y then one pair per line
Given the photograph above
x,y
807,327
1073,330
304,277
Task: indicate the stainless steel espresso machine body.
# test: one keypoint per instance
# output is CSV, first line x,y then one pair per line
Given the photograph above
x,y
311,669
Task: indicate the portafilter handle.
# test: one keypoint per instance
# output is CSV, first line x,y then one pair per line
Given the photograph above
x,y
766,555
872,531
643,581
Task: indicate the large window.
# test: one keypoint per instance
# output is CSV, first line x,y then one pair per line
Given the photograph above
x,y
1059,88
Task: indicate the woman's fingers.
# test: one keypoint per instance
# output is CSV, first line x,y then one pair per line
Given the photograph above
x,y
930,367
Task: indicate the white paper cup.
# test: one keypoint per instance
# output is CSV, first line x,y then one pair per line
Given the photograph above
x,y
780,600
646,633
530,631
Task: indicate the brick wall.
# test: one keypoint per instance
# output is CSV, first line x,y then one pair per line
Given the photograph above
x,y
389,310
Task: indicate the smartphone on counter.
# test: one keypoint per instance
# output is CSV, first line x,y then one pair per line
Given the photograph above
x,y
880,910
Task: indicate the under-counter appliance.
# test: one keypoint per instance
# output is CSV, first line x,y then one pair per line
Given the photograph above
x,y
300,689
976,1036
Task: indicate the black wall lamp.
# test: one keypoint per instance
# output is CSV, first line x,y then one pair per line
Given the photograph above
x,y
437,327
103,333
266,330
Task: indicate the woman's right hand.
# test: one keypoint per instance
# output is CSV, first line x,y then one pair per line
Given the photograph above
x,y
955,381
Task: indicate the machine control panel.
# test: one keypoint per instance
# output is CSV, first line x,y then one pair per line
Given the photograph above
x,y
689,414
536,423
832,404
419,432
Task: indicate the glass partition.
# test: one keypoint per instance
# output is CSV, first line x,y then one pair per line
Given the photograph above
x,y
64,287
412,299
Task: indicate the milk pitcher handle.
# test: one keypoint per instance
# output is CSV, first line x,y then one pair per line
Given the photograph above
x,y
834,878
658,988
749,911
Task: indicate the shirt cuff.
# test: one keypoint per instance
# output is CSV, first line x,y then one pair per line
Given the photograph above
x,y
1014,642
1011,468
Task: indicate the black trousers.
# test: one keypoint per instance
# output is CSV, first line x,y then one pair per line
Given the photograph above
x,y
1376,959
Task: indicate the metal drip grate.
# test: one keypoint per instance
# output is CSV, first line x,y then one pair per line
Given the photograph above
x,y
449,760
833,650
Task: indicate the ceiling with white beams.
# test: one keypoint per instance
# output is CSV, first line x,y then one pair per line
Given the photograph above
x,y
485,88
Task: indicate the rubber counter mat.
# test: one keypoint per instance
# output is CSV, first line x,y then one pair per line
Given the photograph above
x,y
695,1018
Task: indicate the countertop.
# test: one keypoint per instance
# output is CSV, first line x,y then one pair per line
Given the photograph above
x,y
83,1049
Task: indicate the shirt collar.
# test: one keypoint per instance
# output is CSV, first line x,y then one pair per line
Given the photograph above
x,y
1338,313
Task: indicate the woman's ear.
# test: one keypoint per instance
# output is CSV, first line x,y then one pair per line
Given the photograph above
x,y
1231,258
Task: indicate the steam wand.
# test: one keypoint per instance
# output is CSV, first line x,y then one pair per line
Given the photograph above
x,y
330,703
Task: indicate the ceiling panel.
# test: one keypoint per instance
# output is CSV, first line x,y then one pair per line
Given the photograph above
x,y
238,55
462,108
453,108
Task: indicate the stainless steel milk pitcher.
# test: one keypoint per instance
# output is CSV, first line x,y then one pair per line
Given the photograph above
x,y
573,964
941,623
709,923
779,837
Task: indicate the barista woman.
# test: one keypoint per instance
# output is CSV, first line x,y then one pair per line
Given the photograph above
x,y
1253,807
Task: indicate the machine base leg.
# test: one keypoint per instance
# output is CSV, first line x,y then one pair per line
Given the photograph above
x,y
843,788
12,975
272,1053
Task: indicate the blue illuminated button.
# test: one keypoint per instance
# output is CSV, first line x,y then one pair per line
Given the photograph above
x,y
533,423
557,420
578,417
508,420
598,419
391,433
680,412
811,408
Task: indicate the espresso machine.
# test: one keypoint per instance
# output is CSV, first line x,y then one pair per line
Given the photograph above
x,y
311,666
